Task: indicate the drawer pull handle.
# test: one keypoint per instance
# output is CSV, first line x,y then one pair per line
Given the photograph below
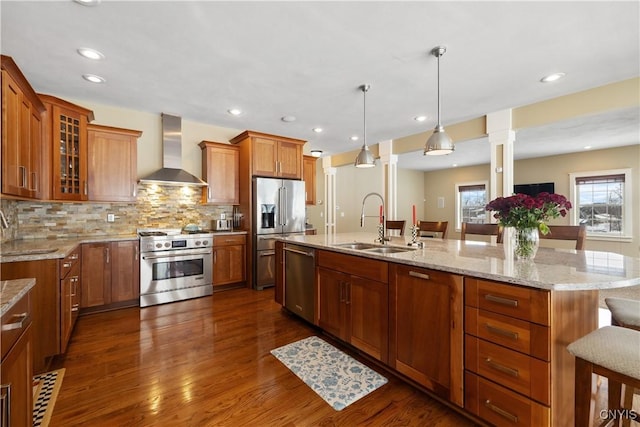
x,y
502,368
419,275
500,331
500,411
16,325
500,300
5,404
73,256
66,265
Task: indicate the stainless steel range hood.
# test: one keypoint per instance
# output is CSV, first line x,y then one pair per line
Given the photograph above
x,y
172,172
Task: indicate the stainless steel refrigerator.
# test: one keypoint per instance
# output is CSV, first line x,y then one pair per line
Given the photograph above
x,y
279,209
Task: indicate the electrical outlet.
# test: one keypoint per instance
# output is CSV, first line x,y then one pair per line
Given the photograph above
x,y
111,217
440,202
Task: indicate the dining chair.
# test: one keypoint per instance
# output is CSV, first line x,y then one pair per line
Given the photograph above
x,y
481,229
567,232
396,225
434,227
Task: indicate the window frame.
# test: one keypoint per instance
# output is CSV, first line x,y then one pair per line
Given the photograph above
x,y
574,213
487,219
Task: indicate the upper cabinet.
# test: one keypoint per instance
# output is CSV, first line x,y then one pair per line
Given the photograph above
x,y
220,168
271,155
112,163
21,134
66,131
309,174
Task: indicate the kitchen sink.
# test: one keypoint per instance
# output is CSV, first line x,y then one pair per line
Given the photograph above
x,y
29,252
356,245
388,250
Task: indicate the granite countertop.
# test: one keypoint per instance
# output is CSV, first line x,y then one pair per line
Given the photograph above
x,y
552,269
12,290
39,249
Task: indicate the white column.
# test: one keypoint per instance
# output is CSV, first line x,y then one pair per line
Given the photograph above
x,y
501,138
329,196
389,163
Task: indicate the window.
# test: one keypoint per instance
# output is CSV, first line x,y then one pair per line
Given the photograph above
x,y
471,198
602,201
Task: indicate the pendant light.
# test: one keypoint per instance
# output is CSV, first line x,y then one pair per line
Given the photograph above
x,y
439,142
365,159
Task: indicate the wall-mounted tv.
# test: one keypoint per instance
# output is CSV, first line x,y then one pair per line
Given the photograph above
x,y
534,189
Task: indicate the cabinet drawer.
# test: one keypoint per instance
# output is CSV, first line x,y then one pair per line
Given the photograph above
x,y
15,322
526,337
521,303
519,372
227,240
69,262
500,406
355,265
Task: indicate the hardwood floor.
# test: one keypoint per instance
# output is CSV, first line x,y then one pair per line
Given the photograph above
x,y
206,362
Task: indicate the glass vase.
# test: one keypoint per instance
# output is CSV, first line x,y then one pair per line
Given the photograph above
x,y
525,242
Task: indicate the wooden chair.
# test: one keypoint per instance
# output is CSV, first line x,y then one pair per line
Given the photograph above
x,y
434,227
481,229
396,225
612,352
567,232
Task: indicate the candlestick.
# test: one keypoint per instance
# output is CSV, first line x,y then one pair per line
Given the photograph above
x,y
413,222
380,214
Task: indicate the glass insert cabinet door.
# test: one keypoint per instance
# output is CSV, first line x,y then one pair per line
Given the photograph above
x,y
70,154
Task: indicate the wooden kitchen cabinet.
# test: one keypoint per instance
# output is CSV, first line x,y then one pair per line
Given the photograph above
x,y
271,155
69,296
220,169
228,260
65,131
110,275
112,163
16,372
45,304
309,176
426,329
354,301
21,134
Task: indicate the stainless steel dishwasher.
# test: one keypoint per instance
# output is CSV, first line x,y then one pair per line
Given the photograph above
x,y
299,277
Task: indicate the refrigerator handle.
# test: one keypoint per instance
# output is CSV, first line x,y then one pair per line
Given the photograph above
x,y
285,214
279,208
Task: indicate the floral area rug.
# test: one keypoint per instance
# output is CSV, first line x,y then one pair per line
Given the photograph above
x,y
45,391
335,376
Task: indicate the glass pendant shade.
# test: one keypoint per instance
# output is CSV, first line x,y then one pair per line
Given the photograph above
x,y
439,143
365,158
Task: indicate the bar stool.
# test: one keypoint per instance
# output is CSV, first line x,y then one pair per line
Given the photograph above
x,y
612,352
624,312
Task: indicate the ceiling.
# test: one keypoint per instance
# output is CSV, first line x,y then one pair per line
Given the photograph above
x,y
307,59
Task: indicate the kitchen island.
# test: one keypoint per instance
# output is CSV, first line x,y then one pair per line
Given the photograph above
x,y
458,319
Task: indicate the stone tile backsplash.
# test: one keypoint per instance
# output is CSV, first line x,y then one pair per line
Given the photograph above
x,y
155,207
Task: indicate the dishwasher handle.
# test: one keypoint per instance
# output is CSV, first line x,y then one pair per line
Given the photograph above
x,y
296,251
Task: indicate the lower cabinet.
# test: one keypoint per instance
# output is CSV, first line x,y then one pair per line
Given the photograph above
x,y
16,370
69,296
426,329
110,275
228,259
354,301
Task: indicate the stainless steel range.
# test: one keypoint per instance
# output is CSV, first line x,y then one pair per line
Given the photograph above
x,y
174,266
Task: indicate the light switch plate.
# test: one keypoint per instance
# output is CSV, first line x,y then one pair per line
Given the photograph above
x,y
111,217
441,202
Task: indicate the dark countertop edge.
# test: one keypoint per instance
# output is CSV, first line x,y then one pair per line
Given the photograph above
x,y
563,287
14,290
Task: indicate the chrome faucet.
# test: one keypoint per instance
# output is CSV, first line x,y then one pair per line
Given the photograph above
x,y
383,238
3,221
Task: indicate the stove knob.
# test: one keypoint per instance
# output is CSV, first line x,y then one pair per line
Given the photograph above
x,y
197,242
205,242
167,244
158,245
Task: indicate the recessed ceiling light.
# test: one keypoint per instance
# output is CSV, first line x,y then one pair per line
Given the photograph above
x,y
455,165
88,2
234,111
90,53
316,153
354,138
587,147
420,118
552,77
317,130
288,119
93,78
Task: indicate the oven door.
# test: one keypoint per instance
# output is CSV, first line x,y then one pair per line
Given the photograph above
x,y
171,270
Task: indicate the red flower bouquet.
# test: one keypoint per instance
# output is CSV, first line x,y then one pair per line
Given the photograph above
x,y
523,211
